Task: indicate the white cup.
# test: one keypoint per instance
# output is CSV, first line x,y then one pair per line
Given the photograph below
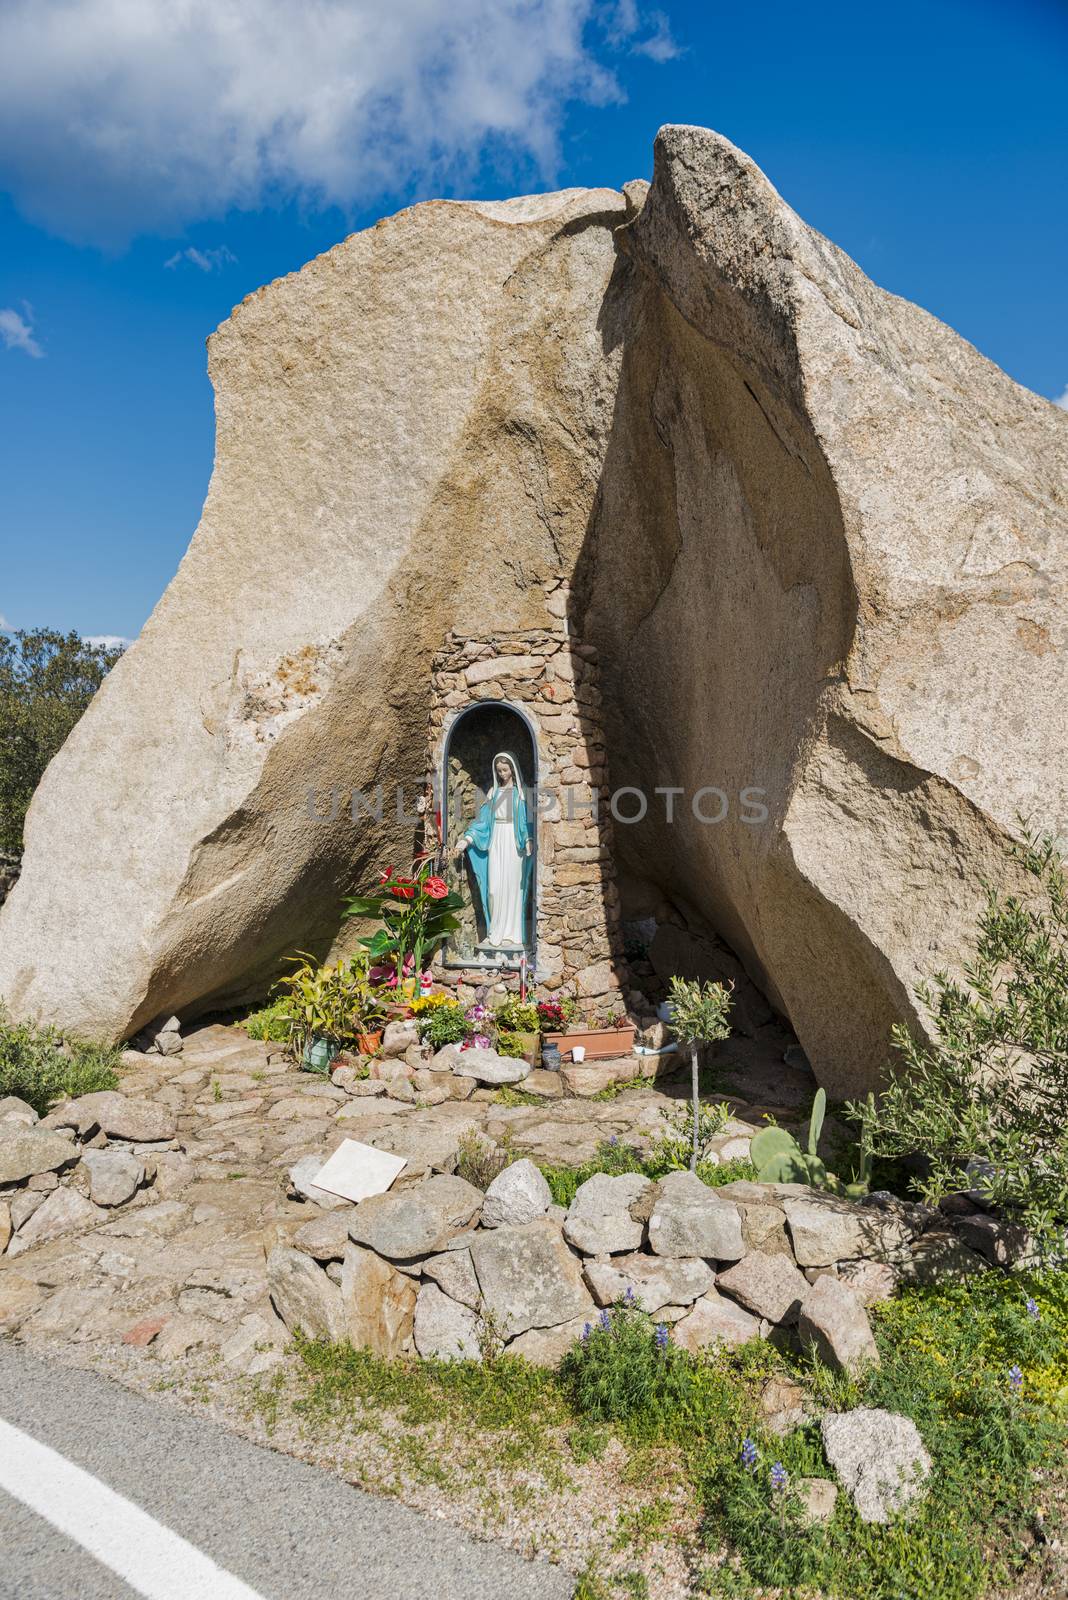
x,y
578,1052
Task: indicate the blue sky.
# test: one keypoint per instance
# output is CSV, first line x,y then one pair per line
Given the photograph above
x,y
159,161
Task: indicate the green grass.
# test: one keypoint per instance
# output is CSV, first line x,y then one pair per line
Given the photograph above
x,y
946,1355
35,1068
273,1022
613,1158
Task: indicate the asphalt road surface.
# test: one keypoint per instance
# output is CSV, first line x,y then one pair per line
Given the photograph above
x,y
107,1496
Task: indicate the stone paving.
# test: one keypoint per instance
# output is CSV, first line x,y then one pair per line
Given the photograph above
x,y
182,1264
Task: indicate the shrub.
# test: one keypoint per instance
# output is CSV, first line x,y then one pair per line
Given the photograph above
x,y
443,1025
625,1369
273,1021
993,1085
46,681
518,1017
35,1066
479,1161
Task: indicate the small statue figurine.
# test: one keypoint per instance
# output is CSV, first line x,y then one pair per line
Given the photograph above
x,y
499,846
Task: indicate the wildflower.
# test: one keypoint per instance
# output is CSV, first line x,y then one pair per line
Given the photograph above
x,y
614,1139
779,1477
478,1041
1031,1307
1015,1379
749,1453
629,1298
661,1336
587,1330
605,1322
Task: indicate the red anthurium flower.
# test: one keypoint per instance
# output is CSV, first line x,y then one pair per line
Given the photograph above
x,y
403,891
384,877
436,888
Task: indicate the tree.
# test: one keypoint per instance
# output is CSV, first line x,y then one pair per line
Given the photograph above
x,y
46,681
992,1086
699,1013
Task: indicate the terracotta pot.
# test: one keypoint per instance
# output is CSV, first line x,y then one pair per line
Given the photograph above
x,y
596,1042
369,1044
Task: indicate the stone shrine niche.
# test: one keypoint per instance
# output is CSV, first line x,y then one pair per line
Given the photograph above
x,y
486,733
534,696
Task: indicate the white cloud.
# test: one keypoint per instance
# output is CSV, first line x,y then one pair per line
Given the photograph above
x,y
120,117
1062,401
16,331
206,260
107,641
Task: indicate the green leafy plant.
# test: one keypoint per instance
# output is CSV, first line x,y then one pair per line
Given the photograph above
x,y
625,1369
779,1158
444,1025
992,1085
337,1003
46,681
516,1016
38,1066
417,913
273,1021
699,1013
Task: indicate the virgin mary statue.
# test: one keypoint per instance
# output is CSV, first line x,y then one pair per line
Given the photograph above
x,y
499,847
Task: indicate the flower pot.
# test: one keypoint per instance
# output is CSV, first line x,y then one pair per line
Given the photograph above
x,y
319,1053
597,1042
369,1044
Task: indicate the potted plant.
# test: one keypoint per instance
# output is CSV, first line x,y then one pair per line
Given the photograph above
x,y
417,915
519,1030
615,1037
330,1007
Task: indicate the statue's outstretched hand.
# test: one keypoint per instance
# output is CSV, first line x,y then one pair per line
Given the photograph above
x,y
459,849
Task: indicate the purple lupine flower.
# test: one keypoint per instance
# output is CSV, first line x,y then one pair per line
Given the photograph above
x,y
629,1297
661,1336
749,1455
779,1477
587,1330
1031,1307
605,1322
614,1139
1015,1379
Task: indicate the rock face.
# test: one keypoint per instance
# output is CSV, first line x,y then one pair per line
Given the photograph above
x,y
704,422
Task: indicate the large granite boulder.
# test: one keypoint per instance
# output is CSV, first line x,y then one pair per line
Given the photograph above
x,y
705,418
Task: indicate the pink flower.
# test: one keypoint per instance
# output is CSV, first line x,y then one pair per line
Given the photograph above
x,y
436,888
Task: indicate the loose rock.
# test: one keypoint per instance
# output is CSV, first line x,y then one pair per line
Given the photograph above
x,y
516,1196
880,1459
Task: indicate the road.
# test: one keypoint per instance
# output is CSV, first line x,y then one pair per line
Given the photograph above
x,y
108,1496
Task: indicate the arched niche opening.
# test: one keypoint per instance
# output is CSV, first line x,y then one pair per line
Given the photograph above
x,y
480,734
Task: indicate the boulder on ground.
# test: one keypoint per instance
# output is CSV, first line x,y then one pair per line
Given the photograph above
x,y
117,1116
880,1458
378,1303
714,1320
768,1285
598,1219
834,1323
528,1278
114,1176
517,1195
304,1297
721,411
62,1211
654,1281
415,1222
690,1219
486,1066
444,1328
26,1150
12,1109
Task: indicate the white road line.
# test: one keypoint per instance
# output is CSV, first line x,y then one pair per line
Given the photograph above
x,y
150,1558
